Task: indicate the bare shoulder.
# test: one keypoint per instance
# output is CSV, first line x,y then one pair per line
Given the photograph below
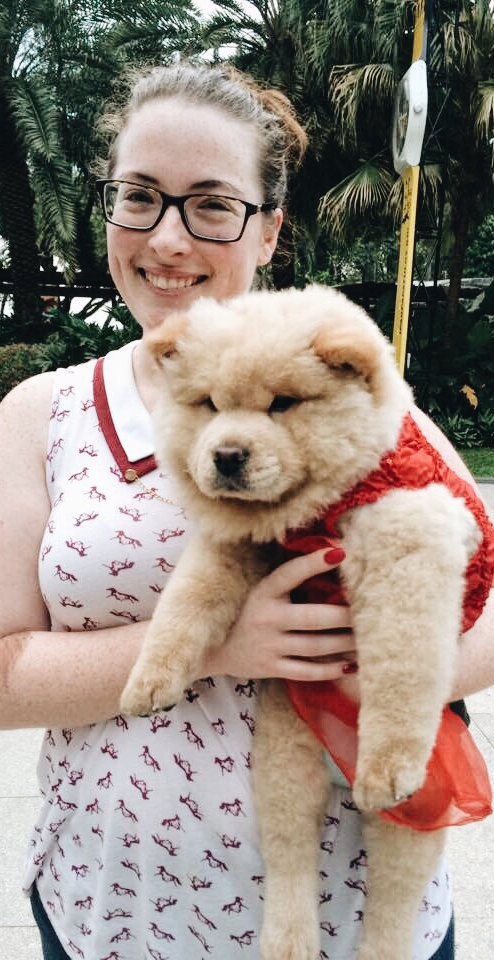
x,y
33,393
24,502
24,422
25,411
436,437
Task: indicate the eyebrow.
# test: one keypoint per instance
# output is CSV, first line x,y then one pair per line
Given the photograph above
x,y
211,184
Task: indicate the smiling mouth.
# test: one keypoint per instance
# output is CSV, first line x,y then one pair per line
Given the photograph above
x,y
171,283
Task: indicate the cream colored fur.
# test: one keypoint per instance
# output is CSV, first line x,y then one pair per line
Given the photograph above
x,y
406,556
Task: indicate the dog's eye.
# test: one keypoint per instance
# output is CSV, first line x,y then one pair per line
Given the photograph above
x,y
280,404
207,402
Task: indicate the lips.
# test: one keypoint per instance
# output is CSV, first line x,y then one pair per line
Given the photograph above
x,y
162,282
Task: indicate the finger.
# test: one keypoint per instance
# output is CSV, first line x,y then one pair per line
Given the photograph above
x,y
316,616
310,645
312,670
294,572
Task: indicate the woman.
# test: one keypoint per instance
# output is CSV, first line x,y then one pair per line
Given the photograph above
x,y
146,842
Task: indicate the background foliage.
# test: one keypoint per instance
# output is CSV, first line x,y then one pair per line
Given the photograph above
x,y
339,61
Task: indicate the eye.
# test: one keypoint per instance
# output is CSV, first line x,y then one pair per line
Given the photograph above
x,y
138,195
280,404
208,403
215,203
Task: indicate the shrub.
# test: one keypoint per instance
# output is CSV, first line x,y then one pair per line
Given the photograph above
x,y
73,338
17,362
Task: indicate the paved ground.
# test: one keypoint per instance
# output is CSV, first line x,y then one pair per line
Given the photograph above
x,y
471,848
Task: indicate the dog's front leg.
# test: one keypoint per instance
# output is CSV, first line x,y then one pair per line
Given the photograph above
x,y
401,862
405,567
291,786
195,612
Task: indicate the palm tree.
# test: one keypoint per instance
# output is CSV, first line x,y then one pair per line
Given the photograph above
x,y
374,43
148,31
33,167
462,60
60,63
274,41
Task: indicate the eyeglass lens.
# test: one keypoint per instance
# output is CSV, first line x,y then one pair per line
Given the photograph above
x,y
213,217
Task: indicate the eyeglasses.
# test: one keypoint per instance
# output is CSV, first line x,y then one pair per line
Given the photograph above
x,y
204,215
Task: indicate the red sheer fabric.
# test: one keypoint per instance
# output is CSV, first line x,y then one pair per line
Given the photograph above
x,y
457,788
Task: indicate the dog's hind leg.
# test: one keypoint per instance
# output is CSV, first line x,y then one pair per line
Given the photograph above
x,y
401,862
291,786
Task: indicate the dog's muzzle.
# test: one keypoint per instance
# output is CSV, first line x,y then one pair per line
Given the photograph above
x,y
230,463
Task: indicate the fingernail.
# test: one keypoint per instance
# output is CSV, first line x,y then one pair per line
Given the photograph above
x,y
335,555
351,666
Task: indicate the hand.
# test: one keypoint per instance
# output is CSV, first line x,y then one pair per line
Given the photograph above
x,y
276,638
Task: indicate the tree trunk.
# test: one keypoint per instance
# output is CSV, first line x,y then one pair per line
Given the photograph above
x,y
19,229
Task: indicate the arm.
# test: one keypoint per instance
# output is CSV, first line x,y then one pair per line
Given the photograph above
x,y
50,678
476,655
46,679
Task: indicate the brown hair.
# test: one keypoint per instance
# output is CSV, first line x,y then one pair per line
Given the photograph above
x,y
282,140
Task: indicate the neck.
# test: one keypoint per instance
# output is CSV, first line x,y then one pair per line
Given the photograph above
x,y
146,375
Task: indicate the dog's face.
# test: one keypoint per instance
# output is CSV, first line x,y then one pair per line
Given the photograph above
x,y
274,404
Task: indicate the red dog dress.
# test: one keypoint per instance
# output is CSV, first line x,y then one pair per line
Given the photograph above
x,y
457,788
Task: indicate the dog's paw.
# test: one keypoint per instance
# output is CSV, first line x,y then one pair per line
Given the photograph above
x,y
390,778
145,692
292,942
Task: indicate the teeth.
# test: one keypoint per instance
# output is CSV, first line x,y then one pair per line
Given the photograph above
x,y
170,283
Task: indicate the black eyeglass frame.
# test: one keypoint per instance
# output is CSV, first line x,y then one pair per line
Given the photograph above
x,y
167,200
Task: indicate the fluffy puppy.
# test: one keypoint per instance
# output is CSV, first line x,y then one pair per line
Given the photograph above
x,y
272,407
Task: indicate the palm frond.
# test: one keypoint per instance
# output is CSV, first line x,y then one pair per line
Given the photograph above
x,y
392,26
458,48
484,110
243,32
394,201
37,123
55,197
352,87
36,116
344,98
349,29
231,9
364,191
431,184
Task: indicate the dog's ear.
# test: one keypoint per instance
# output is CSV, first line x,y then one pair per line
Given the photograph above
x,y
162,341
350,349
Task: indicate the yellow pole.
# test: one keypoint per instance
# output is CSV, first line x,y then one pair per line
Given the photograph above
x,y
419,32
410,180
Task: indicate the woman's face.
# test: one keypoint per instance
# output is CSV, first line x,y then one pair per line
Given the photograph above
x,y
182,148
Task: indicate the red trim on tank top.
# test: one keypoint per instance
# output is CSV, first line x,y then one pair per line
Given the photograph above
x,y
130,470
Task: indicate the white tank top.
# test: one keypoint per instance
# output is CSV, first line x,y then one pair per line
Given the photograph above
x,y
146,844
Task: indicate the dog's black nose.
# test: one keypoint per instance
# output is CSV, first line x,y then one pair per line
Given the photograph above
x,y
229,461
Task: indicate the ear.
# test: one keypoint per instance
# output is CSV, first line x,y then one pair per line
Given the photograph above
x,y
161,342
271,229
352,349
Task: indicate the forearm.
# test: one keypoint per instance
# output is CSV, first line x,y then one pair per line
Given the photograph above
x,y
66,679
475,669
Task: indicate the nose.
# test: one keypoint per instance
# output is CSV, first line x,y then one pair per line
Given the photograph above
x,y
170,233
229,461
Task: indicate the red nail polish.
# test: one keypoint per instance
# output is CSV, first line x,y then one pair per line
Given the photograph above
x,y
335,555
351,666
